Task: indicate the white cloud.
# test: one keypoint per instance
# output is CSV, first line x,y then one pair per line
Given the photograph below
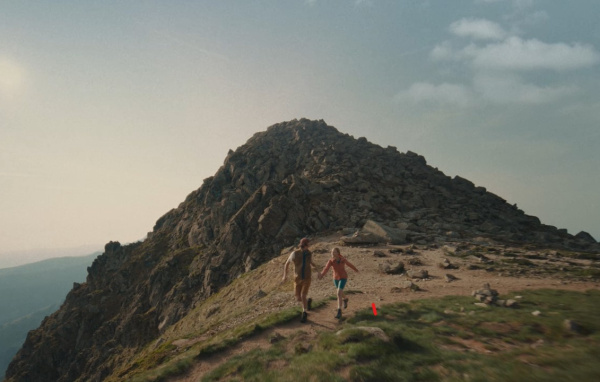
x,y
498,88
446,94
480,29
443,51
500,66
505,89
518,54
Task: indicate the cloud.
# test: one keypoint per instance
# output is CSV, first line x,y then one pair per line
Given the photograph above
x,y
479,29
495,89
445,94
515,53
504,68
12,78
507,89
443,51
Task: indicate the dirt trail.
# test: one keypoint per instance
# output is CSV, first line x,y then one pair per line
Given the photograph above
x,y
371,286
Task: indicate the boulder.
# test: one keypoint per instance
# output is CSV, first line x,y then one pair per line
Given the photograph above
x,y
391,268
572,326
406,285
418,274
486,294
386,234
361,238
379,254
584,236
446,264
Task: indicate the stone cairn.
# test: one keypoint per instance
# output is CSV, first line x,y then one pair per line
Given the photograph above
x,y
488,296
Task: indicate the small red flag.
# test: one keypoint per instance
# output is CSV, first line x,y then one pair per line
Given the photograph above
x,y
374,309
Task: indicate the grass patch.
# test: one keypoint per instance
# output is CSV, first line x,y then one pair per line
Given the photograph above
x,y
163,363
447,339
248,367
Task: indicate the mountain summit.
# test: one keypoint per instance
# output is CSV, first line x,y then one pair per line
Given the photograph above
x,y
297,178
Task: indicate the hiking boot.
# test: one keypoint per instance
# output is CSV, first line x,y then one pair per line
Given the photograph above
x,y
339,314
309,303
304,316
345,303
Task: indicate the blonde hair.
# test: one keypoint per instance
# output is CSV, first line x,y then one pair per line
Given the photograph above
x,y
333,251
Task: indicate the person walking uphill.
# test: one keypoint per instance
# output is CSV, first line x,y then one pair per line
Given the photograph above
x,y
302,259
338,262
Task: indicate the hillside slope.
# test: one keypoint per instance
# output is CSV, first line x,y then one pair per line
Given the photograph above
x,y
297,178
251,311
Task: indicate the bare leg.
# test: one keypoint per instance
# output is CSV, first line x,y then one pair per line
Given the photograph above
x,y
304,302
340,294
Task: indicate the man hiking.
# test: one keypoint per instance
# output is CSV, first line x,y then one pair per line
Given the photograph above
x,y
302,259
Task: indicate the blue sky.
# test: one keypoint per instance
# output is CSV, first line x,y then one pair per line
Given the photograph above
x,y
112,112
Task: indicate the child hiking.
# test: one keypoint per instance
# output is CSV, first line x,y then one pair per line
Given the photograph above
x,y
302,259
338,262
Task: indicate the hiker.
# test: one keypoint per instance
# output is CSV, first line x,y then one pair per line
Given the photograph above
x,y
302,259
338,262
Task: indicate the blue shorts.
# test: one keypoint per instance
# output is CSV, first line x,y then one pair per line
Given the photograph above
x,y
340,284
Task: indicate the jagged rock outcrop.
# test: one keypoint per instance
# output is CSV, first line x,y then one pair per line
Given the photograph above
x,y
297,178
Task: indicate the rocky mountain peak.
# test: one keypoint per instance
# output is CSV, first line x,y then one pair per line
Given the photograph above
x,y
295,179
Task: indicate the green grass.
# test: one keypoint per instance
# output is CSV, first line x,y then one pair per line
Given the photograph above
x,y
162,363
447,339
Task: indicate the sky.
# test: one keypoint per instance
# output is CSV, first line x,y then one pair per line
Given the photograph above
x,y
112,112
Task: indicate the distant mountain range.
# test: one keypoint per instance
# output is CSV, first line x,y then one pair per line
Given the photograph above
x,y
28,293
16,258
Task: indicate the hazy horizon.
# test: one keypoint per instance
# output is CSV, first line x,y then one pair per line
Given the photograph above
x,y
112,113
17,258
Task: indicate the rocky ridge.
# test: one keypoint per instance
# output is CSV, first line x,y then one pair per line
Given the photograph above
x,y
298,178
